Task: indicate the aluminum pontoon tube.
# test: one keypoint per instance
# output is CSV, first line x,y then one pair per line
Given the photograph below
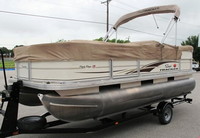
x,y
82,107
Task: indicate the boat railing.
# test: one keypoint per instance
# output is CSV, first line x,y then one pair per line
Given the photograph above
x,y
134,68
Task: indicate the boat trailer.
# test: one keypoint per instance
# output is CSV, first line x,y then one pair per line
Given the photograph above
x,y
38,124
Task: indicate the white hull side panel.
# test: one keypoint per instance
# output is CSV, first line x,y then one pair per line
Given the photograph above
x,y
83,70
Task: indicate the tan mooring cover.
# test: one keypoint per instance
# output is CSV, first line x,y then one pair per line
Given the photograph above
x,y
95,50
152,10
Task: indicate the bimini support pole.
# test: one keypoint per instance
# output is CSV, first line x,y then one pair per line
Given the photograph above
x,y
176,29
155,21
115,36
169,28
109,34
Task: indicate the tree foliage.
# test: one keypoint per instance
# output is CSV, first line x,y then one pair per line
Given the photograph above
x,y
18,46
61,41
6,52
193,41
112,40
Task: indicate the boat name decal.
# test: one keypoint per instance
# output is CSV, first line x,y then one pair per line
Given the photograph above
x,y
23,66
150,9
87,66
169,67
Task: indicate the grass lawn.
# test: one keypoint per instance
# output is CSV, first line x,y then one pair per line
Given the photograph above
x,y
8,64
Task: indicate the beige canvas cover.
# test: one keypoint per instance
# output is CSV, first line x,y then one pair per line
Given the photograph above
x,y
95,50
152,10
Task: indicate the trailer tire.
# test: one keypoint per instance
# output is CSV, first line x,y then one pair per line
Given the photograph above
x,y
31,123
165,112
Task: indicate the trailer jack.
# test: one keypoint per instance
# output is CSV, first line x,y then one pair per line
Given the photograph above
x,y
9,124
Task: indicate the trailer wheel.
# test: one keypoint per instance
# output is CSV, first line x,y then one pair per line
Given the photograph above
x,y
31,123
165,112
